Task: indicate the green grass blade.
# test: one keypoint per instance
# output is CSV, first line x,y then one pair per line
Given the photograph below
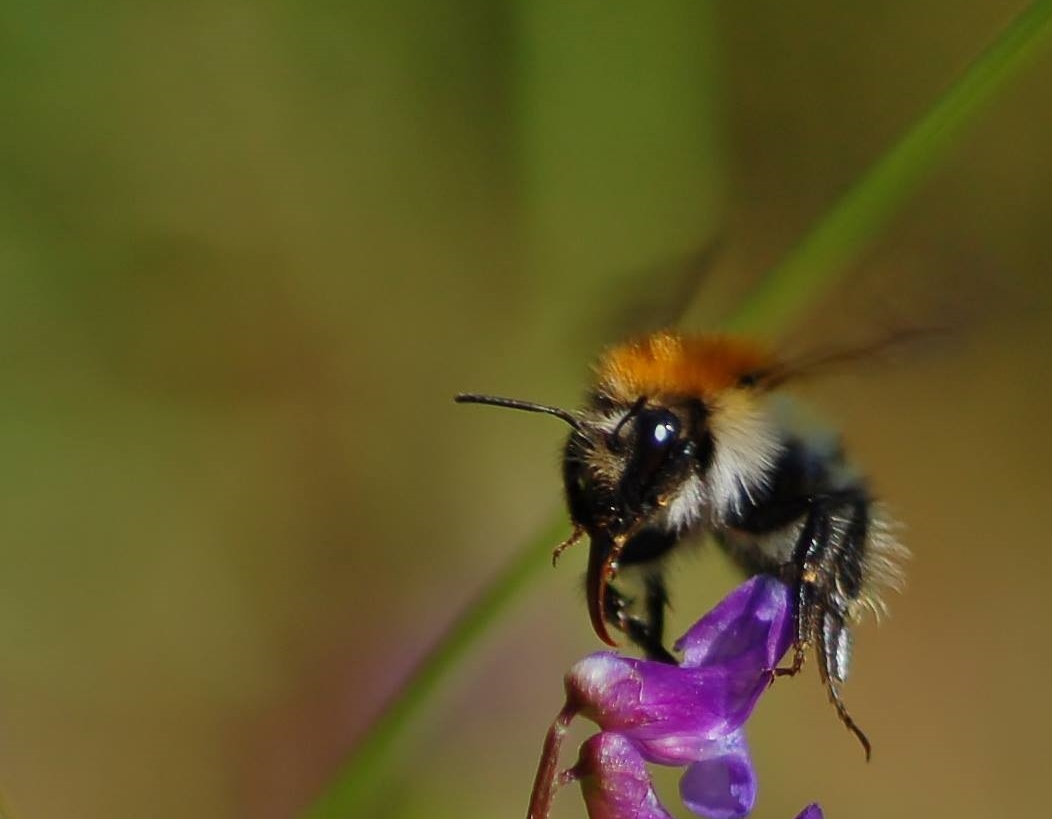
x,y
357,779
782,296
824,254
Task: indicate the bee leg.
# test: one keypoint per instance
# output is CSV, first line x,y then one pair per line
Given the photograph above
x,y
829,565
799,655
834,647
646,631
789,574
656,605
836,639
802,574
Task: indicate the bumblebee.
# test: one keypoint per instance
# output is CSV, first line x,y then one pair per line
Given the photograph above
x,y
684,435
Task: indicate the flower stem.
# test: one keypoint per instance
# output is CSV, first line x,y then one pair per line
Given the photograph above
x,y
782,296
547,781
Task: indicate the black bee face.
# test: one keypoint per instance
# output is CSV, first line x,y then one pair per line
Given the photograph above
x,y
616,477
624,470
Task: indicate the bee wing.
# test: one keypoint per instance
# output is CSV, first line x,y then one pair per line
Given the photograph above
x,y
889,343
654,298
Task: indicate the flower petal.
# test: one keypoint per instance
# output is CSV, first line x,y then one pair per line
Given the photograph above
x,y
812,811
614,780
671,713
723,785
750,628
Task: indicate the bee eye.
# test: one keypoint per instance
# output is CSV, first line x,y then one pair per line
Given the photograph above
x,y
657,431
662,433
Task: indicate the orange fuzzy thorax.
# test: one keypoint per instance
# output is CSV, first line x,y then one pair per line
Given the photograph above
x,y
668,363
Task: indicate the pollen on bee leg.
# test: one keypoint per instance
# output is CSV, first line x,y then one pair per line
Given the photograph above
x,y
614,558
575,535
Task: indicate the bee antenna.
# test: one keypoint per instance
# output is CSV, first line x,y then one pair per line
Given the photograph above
x,y
633,411
515,403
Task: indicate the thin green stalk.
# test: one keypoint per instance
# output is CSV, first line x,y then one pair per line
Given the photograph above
x,y
357,779
783,295
824,254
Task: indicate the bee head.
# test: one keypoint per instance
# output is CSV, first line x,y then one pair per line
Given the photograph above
x,y
638,454
627,467
642,449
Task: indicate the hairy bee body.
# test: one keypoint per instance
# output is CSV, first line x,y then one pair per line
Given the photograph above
x,y
682,436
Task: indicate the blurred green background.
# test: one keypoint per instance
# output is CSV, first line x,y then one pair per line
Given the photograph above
x,y
248,252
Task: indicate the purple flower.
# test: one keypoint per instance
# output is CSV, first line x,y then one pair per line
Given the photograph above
x,y
678,714
689,715
615,781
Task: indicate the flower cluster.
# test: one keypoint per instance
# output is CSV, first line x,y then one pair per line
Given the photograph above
x,y
690,715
